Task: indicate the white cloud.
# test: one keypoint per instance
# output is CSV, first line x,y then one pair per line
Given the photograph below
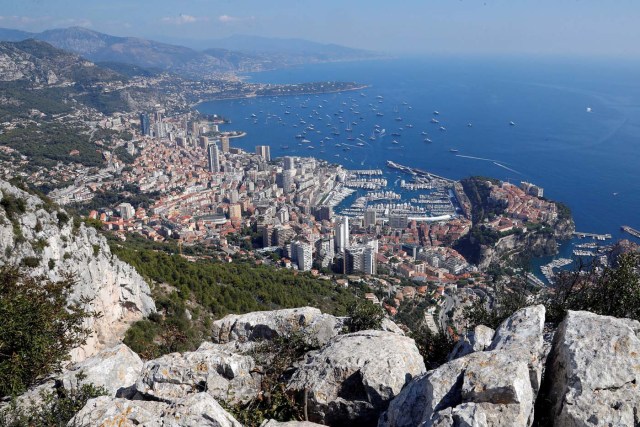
x,y
227,19
184,19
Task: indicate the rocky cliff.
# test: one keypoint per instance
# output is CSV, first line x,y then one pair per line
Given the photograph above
x,y
45,240
516,376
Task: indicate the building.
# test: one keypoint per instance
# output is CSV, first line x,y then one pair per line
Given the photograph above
x,y
213,157
145,124
264,151
531,189
126,211
369,261
304,255
354,259
398,220
289,163
203,141
235,211
342,234
369,217
288,180
224,142
411,249
323,213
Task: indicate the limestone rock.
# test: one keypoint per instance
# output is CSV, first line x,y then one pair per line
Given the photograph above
x,y
594,369
477,340
522,333
223,373
114,288
196,410
268,324
274,423
354,376
114,369
496,387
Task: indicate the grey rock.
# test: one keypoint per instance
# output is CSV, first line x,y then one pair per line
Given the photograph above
x,y
477,340
495,387
595,370
274,423
114,369
354,376
263,325
196,410
218,369
522,333
390,326
113,287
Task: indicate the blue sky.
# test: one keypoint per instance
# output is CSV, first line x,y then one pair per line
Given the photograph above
x,y
558,27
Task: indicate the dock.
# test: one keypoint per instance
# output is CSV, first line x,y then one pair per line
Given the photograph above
x,y
596,236
630,230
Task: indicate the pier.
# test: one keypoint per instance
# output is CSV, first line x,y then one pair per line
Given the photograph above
x,y
596,236
632,231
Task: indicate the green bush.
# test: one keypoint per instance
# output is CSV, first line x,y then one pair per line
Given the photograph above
x,y
39,327
364,315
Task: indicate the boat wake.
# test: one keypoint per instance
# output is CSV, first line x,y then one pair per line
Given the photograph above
x,y
507,168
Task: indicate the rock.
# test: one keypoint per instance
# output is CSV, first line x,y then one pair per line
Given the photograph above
x,y
354,376
113,287
274,423
114,369
261,325
496,387
390,326
522,333
477,340
594,371
223,373
196,410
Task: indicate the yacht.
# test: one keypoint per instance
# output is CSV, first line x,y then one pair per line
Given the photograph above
x,y
434,121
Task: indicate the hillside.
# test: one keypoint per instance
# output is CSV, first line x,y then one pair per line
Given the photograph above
x,y
235,54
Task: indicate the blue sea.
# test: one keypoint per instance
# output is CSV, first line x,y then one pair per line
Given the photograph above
x,y
575,132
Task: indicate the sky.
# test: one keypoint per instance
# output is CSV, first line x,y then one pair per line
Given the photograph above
x,y
547,27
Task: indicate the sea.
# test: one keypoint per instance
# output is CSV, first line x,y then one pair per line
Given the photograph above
x,y
571,126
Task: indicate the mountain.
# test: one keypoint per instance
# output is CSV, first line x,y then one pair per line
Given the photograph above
x,y
293,47
11,35
40,63
236,53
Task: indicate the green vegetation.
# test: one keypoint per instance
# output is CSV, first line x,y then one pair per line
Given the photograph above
x,y
277,358
364,315
21,99
54,408
39,327
47,143
478,191
210,289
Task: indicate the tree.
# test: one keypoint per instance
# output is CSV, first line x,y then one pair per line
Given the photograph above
x,y
364,315
39,327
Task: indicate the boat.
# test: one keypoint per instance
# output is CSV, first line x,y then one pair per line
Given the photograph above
x,y
442,128
299,136
398,119
379,114
427,140
469,124
306,141
453,150
253,115
346,149
436,113
310,147
382,132
360,144
285,147
396,134
395,142
434,121
350,138
379,97
409,126
512,124
423,133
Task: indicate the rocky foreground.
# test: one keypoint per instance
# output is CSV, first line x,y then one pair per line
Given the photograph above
x,y
518,375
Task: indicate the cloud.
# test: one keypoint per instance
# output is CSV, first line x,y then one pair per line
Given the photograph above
x,y
184,19
227,19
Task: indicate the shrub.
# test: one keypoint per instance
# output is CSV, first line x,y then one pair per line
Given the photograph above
x,y
364,315
39,327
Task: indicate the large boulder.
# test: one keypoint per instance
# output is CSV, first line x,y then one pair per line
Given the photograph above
x,y
265,325
496,387
594,371
274,423
194,411
115,369
477,340
351,380
223,373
